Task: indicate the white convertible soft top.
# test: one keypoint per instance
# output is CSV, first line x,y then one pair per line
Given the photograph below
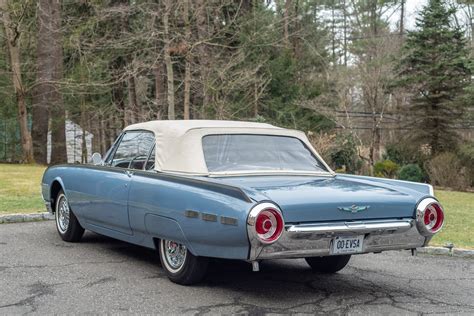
x,y
179,142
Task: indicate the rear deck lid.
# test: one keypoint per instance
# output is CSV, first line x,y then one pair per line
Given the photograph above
x,y
313,199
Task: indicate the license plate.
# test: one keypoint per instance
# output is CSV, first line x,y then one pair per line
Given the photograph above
x,y
344,245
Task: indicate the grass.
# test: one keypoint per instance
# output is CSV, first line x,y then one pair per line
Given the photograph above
x,y
459,219
20,193
20,189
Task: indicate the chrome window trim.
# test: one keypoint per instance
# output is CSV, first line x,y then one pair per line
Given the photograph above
x,y
148,157
269,173
111,152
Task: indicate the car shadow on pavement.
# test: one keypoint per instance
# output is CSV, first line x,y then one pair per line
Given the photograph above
x,y
233,274
126,250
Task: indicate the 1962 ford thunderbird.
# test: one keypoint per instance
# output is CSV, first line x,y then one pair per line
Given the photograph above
x,y
238,190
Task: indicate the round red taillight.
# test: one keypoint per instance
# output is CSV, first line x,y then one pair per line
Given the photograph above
x,y
430,217
434,217
266,223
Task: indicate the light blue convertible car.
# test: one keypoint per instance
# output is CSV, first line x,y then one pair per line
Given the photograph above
x,y
196,190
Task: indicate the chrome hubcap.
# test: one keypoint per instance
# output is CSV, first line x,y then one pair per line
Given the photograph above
x,y
63,214
175,254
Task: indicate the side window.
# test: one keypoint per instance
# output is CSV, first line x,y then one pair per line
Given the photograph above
x,y
133,150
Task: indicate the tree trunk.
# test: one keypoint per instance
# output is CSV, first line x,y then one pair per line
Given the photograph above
x,y
44,78
160,93
119,103
286,23
132,111
373,17
333,32
255,100
344,10
187,65
83,135
102,136
57,110
402,17
12,37
168,62
470,9
203,53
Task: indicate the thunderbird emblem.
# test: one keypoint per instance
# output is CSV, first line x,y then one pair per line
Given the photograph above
x,y
353,208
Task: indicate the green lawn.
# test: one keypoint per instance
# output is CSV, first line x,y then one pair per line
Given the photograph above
x,y
20,193
20,189
459,219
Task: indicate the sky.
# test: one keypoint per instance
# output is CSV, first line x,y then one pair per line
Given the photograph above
x,y
412,8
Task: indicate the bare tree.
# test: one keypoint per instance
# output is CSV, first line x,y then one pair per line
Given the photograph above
x,y
57,110
168,61
203,51
160,93
12,37
187,64
286,23
42,92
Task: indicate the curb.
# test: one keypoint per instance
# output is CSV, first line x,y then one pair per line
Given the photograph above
x,y
20,218
447,251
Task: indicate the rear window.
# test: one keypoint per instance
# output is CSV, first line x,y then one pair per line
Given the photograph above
x,y
250,152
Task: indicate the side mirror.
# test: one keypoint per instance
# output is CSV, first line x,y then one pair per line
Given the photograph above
x,y
96,159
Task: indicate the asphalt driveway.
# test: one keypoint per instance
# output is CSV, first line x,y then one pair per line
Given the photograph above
x,y
41,274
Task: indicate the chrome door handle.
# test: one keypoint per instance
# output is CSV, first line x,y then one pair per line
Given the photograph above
x,y
129,173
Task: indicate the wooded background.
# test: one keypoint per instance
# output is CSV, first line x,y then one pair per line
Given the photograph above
x,y
372,96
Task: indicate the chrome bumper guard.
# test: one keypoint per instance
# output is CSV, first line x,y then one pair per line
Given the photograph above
x,y
309,240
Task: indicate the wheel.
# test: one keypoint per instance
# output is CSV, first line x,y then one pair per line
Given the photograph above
x,y
330,264
181,266
66,222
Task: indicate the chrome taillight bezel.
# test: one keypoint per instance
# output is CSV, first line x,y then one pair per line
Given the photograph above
x,y
252,219
420,214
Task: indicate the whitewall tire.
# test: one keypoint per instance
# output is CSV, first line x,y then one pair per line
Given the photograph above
x,y
67,224
180,265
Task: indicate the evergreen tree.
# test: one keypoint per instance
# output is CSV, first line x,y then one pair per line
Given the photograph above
x,y
435,68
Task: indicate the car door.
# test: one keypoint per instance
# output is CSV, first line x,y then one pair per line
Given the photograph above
x,y
112,183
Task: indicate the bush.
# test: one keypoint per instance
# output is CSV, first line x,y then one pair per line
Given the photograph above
x,y
404,153
324,144
386,169
466,157
411,172
446,170
344,155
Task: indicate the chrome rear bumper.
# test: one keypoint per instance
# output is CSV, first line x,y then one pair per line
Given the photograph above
x,y
309,240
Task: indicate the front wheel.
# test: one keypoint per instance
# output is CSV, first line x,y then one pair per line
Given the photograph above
x,y
66,222
180,265
330,264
